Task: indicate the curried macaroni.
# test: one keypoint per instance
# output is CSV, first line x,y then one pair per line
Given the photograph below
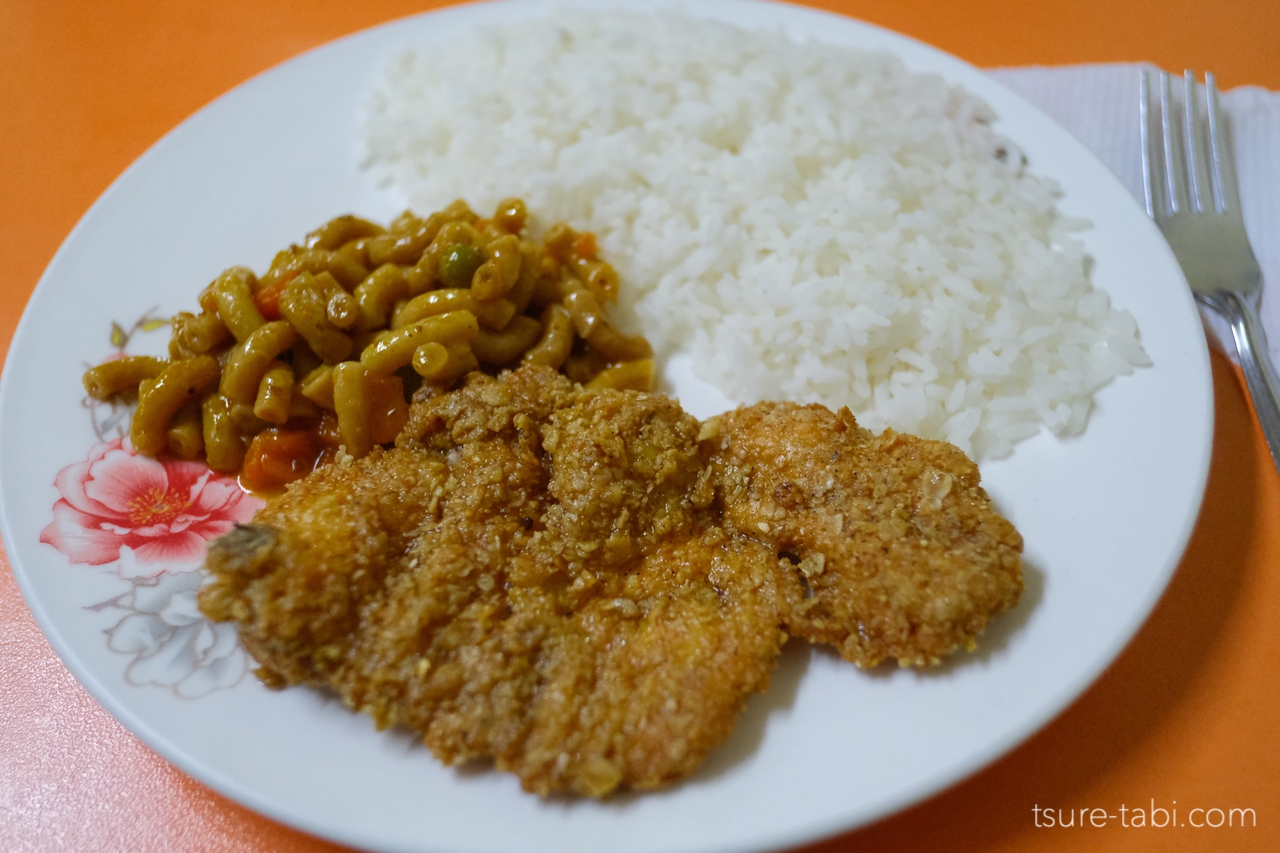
x,y
320,355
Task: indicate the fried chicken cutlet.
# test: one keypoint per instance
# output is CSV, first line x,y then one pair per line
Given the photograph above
x,y
533,575
902,552
585,587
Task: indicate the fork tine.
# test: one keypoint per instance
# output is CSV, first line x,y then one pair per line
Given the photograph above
x,y
1144,128
1191,137
1174,179
1221,166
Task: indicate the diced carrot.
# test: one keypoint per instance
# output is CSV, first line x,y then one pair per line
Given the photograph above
x,y
253,478
585,245
268,299
277,457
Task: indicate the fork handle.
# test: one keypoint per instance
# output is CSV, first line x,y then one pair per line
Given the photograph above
x,y
1259,375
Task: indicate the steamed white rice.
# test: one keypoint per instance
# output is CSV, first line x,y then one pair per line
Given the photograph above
x,y
810,222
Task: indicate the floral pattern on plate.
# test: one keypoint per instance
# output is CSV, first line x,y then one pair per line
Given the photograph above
x,y
150,522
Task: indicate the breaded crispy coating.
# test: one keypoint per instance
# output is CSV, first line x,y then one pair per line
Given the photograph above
x,y
901,549
551,590
585,586
299,577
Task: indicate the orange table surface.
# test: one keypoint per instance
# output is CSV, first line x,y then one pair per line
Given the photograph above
x,y
1190,712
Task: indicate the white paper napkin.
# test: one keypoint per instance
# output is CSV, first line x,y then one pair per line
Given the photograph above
x,y
1099,104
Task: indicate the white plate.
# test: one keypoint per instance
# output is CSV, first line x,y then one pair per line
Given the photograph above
x,y
1105,517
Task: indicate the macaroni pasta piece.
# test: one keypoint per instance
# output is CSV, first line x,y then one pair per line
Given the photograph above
x,y
351,402
250,359
306,304
325,349
159,399
121,375
233,296
394,350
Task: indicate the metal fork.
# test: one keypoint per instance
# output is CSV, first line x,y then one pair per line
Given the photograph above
x,y
1193,195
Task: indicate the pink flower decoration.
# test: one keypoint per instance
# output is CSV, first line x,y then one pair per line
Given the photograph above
x,y
162,510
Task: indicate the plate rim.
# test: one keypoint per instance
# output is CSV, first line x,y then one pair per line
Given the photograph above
x,y
237,791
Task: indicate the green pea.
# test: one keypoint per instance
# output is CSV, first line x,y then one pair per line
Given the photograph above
x,y
459,263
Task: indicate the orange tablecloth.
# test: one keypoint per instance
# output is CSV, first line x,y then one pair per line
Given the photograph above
x,y
1189,713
